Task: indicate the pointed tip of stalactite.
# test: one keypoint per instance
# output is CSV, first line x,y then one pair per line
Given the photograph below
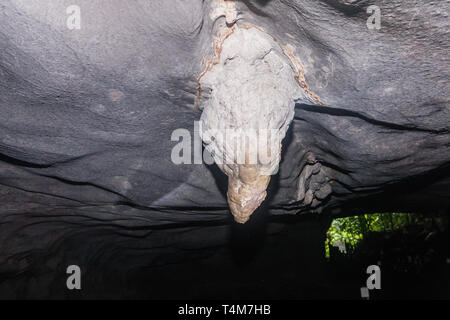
x,y
246,195
242,210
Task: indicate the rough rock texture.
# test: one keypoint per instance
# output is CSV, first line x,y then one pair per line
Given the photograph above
x,y
86,118
251,91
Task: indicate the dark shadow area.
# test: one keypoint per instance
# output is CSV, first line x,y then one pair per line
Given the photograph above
x,y
21,163
191,264
411,251
349,113
253,6
404,196
220,178
247,240
356,7
261,3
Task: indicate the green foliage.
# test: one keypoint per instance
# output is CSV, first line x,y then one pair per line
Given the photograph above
x,y
351,230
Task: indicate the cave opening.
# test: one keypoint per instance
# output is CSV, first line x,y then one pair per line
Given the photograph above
x,y
411,250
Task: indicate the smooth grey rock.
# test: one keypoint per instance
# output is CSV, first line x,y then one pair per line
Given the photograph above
x,y
87,116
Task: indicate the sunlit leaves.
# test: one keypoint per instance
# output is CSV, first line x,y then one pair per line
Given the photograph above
x,y
351,230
